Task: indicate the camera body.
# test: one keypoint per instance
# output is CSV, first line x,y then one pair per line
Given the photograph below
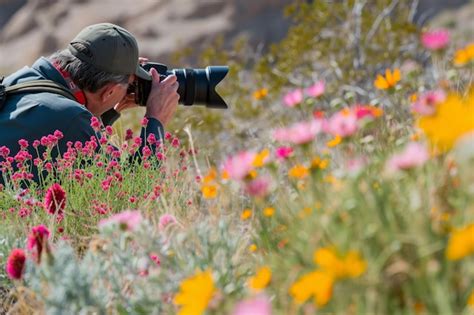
x,y
196,86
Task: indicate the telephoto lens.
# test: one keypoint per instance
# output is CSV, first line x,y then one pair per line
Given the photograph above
x,y
196,86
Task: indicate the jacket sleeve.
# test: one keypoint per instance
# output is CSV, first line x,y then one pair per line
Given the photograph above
x,y
110,117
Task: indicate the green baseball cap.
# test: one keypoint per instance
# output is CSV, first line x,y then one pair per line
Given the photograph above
x,y
109,48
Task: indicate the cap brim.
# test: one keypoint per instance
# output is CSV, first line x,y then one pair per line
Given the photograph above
x,y
142,73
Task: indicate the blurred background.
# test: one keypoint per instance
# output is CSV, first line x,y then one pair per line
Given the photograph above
x,y
32,28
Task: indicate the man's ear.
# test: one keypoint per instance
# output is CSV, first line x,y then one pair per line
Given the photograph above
x,y
108,91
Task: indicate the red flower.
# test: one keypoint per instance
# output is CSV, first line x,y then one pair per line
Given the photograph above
x,y
15,264
37,240
55,199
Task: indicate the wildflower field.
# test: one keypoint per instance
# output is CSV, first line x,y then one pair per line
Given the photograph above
x,y
339,181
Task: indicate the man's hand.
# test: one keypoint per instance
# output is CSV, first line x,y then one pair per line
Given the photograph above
x,y
163,99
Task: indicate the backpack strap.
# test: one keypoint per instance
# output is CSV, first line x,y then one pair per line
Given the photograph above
x,y
39,86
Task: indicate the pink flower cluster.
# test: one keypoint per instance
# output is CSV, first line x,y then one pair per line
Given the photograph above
x,y
126,221
296,96
299,133
426,104
414,155
343,123
436,39
240,165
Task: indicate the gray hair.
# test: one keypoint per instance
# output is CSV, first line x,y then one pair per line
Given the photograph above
x,y
86,76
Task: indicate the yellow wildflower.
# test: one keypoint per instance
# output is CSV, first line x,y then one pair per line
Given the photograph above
x,y
317,162
209,191
260,94
389,81
349,266
328,260
253,248
464,55
354,265
470,300
305,212
246,214
225,175
210,177
261,158
334,142
195,293
317,284
298,171
453,118
253,174
262,278
268,212
461,243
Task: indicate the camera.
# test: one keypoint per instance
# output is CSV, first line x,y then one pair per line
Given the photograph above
x,y
196,86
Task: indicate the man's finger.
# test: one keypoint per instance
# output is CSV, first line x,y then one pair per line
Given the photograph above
x,y
170,79
155,75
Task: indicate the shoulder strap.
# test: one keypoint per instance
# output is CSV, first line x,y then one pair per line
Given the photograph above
x,y
39,86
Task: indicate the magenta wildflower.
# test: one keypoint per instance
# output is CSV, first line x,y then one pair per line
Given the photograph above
x,y
37,239
55,199
95,123
15,264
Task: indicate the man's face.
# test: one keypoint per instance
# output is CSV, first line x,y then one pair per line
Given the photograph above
x,y
107,97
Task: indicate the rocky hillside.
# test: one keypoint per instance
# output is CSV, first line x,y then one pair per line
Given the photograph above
x,y
30,28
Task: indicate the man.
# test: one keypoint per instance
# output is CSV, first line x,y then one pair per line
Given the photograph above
x,y
97,67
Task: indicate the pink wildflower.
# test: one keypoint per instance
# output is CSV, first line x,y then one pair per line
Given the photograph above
x,y
299,133
175,143
283,152
144,122
108,130
255,306
58,134
165,220
426,104
55,199
37,239
127,221
414,154
23,143
240,165
293,98
316,90
15,264
95,123
342,123
435,40
258,187
128,134
155,258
